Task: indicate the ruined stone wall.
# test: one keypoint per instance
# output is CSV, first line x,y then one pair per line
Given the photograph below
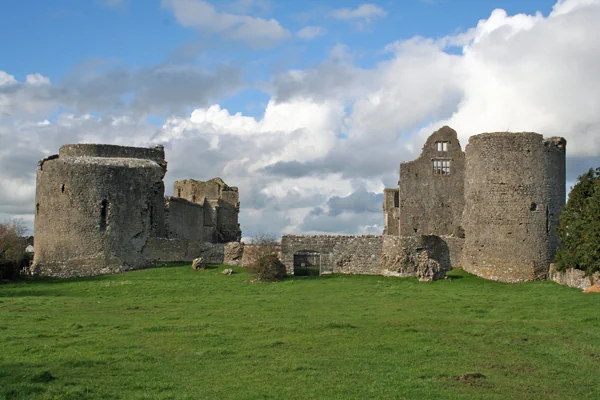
x,y
391,212
573,278
339,254
431,198
93,214
183,219
221,206
405,256
161,250
156,154
514,190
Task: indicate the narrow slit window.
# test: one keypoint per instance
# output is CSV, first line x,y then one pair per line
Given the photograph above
x,y
103,215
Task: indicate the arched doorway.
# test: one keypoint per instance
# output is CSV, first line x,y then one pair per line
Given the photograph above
x,y
307,263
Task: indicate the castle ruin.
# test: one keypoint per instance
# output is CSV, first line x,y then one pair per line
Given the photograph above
x,y
102,209
496,204
491,209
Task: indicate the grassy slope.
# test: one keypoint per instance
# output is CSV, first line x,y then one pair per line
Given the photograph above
x,y
176,333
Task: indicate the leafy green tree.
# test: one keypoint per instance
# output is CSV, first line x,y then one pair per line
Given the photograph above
x,y
12,248
579,230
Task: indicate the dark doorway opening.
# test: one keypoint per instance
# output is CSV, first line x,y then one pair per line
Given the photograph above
x,y
307,263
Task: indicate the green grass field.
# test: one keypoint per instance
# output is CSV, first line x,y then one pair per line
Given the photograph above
x,y
173,333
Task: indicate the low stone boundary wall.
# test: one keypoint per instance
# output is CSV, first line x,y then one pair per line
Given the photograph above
x,y
160,250
339,254
573,277
375,255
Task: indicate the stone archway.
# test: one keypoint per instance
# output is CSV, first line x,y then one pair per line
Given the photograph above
x,y
307,263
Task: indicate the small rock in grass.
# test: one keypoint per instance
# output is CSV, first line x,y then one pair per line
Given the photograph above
x,y
227,271
595,288
198,263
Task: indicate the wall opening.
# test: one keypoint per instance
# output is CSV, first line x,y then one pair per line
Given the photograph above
x,y
441,167
396,199
37,209
533,207
178,192
103,215
441,146
307,263
547,219
193,198
62,188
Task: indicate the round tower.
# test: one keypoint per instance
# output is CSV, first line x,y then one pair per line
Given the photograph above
x,y
514,192
96,206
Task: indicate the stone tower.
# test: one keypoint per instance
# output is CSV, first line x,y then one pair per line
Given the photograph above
x,y
221,207
514,192
96,207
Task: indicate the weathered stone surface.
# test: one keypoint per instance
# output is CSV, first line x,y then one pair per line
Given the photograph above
x,y
221,204
514,192
96,208
183,219
496,205
431,199
574,278
427,257
338,254
233,253
198,263
595,288
101,209
227,271
429,269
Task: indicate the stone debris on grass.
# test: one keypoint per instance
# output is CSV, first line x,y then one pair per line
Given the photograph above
x,y
595,288
198,263
227,271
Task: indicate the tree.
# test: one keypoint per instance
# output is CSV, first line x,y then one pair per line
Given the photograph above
x,y
12,248
579,230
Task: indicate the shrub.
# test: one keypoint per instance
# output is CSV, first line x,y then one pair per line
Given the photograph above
x,y
12,249
579,230
266,264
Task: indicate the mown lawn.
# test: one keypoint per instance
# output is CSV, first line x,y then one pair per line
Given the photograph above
x,y
173,333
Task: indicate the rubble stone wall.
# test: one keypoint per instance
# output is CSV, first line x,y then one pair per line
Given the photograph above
x,y
339,254
183,219
514,190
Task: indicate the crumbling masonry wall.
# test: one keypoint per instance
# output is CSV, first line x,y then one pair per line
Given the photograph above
x,y
431,188
371,255
183,219
339,254
221,207
514,191
96,207
101,209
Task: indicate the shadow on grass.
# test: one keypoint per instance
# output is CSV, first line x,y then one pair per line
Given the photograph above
x,y
24,280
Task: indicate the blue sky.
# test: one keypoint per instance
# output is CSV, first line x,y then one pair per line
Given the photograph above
x,y
307,106
54,38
